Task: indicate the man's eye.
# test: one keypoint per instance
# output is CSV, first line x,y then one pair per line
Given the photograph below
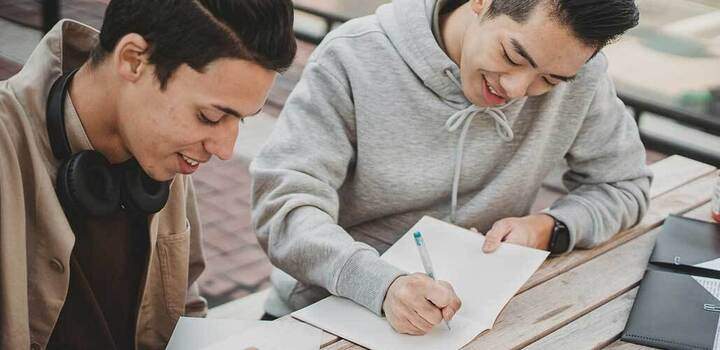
x,y
205,120
507,57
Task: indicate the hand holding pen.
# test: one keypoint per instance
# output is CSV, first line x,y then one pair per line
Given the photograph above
x,y
415,303
427,263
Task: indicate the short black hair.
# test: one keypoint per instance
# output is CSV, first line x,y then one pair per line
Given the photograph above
x,y
594,22
198,32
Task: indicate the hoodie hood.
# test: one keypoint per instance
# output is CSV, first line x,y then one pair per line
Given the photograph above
x,y
408,25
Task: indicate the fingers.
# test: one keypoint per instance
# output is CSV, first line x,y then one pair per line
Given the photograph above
x,y
420,323
430,313
439,294
415,304
401,324
518,238
443,296
449,311
406,307
495,236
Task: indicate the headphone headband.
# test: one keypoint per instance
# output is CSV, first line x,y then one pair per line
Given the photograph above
x,y
55,113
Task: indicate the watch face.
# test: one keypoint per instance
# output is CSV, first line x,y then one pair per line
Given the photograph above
x,y
560,240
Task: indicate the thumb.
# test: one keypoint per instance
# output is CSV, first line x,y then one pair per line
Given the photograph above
x,y
440,294
495,236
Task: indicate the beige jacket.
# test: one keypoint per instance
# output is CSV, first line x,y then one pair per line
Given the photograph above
x,y
35,236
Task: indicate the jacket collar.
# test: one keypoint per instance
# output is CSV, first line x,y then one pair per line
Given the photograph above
x,y
65,47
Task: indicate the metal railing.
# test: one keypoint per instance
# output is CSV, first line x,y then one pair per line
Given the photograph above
x,y
704,122
330,19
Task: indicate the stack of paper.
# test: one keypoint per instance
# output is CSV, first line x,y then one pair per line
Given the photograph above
x,y
484,283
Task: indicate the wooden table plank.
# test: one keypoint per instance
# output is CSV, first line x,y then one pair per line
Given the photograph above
x,y
676,169
603,325
595,330
343,344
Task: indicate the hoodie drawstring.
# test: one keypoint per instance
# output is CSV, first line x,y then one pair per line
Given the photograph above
x,y
465,117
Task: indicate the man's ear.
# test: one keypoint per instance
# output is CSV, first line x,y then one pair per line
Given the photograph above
x,y
131,57
479,7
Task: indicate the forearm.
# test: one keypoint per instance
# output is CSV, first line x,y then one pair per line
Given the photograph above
x,y
307,244
593,213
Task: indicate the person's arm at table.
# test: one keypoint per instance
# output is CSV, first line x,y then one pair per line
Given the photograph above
x,y
608,181
295,209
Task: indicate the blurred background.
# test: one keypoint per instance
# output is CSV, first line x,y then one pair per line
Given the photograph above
x,y
667,70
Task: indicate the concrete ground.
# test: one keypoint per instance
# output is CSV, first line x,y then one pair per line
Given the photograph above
x,y
236,264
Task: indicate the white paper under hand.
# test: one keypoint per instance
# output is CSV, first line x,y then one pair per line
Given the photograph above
x,y
484,283
278,335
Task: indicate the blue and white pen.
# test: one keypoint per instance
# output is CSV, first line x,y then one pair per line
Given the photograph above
x,y
425,257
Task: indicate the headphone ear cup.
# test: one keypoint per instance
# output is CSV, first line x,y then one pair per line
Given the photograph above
x,y
141,193
86,185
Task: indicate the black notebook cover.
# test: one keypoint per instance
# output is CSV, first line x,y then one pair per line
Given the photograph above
x,y
672,309
669,313
686,242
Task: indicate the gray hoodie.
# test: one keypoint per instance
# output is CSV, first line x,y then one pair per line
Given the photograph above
x,y
378,133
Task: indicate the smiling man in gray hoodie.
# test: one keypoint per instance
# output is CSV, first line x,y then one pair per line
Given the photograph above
x,y
454,109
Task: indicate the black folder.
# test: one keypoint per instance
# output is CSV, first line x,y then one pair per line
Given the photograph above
x,y
673,309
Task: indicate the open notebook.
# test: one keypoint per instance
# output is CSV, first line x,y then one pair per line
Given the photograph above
x,y
484,283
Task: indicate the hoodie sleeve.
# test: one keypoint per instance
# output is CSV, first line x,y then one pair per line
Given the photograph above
x,y
294,194
608,180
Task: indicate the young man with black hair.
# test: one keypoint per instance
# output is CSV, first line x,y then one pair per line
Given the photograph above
x,y
454,109
100,239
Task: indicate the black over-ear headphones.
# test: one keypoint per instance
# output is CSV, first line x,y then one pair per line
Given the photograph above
x,y
87,184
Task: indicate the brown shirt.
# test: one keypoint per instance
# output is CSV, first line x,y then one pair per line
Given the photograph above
x,y
107,264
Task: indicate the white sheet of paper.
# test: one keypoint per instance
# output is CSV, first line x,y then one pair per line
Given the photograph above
x,y
712,265
710,284
484,283
713,287
216,334
278,335
195,333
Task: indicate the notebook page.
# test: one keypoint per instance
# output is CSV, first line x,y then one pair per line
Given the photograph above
x,y
484,283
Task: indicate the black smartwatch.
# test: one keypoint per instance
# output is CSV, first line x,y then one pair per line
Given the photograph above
x,y
559,239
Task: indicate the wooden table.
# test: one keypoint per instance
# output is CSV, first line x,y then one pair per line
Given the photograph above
x,y
582,300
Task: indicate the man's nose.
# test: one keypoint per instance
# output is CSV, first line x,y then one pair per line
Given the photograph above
x,y
222,142
516,84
